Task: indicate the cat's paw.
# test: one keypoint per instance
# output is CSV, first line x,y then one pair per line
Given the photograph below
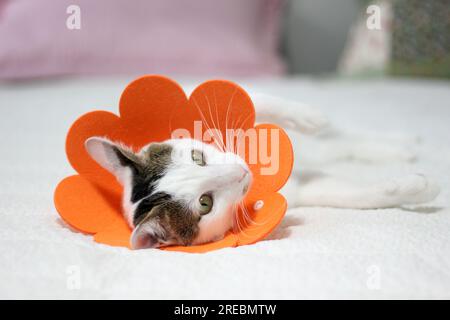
x,y
412,189
303,118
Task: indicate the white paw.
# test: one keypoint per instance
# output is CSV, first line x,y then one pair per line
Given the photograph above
x,y
303,118
412,189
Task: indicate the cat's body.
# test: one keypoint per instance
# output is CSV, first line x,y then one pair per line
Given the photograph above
x,y
310,186
182,191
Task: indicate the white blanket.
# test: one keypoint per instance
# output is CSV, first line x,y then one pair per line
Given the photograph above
x,y
314,253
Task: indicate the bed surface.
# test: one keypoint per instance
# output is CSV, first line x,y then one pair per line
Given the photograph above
x,y
314,253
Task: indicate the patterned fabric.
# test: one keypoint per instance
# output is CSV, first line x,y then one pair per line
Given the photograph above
x,y
421,38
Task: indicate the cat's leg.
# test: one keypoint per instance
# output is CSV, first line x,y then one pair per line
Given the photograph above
x,y
320,189
353,148
288,114
333,144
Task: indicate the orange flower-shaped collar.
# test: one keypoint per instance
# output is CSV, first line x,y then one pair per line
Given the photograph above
x,y
151,107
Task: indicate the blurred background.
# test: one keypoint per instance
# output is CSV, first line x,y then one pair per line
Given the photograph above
x,y
252,38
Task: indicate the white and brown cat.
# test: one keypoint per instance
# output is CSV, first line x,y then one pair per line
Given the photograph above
x,y
183,191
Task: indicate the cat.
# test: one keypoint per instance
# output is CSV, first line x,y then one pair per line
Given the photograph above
x,y
185,192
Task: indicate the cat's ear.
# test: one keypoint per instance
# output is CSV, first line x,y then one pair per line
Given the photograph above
x,y
111,156
149,233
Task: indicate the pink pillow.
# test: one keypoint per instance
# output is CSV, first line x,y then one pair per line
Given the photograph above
x,y
232,37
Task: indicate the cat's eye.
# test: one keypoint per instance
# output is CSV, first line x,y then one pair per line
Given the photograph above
x,y
206,204
197,157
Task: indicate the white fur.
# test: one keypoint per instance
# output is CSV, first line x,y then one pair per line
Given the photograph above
x,y
320,189
128,206
225,175
288,114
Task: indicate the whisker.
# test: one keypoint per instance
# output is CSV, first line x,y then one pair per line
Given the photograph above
x,y
204,120
235,227
212,119
233,126
242,230
247,213
226,116
201,113
224,147
238,141
236,224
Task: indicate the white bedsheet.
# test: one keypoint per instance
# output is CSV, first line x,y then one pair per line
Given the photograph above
x,y
314,253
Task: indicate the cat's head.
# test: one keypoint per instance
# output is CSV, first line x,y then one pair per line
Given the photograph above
x,y
180,191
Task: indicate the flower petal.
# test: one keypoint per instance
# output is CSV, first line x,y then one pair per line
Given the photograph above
x,y
86,206
96,123
230,240
146,106
216,104
257,224
274,160
117,235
